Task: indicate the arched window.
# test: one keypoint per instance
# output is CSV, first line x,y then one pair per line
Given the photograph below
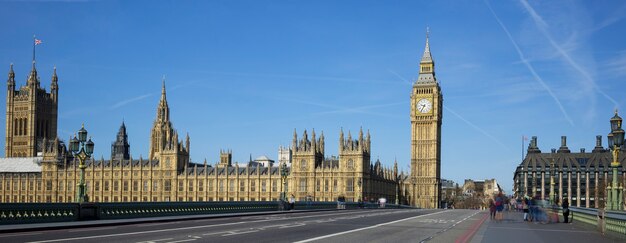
x,y
350,164
303,164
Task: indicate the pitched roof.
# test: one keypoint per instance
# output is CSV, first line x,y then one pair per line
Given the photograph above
x,y
22,164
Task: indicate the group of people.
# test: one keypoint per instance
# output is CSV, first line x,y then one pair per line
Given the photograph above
x,y
496,207
536,210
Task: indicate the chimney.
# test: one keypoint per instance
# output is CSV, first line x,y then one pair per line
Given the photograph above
x,y
582,150
598,148
563,148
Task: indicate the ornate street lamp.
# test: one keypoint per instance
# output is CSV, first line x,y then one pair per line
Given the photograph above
x,y
82,149
360,190
552,175
616,140
284,172
414,199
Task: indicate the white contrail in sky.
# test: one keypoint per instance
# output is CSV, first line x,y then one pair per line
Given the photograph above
x,y
476,127
542,25
125,102
530,67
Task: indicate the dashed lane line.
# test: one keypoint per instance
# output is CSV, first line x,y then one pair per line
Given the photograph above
x,y
181,228
365,228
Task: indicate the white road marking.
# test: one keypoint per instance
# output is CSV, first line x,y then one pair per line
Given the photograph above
x,y
182,228
181,241
365,228
239,232
154,241
216,233
18,234
446,229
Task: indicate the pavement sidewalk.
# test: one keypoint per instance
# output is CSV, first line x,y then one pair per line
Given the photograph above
x,y
514,229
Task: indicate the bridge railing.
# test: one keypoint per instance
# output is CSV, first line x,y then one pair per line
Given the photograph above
x,y
613,220
18,213
14,213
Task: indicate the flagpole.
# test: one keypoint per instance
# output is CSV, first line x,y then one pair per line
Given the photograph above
x,y
33,48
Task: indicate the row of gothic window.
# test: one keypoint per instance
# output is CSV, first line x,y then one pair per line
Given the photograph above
x,y
303,164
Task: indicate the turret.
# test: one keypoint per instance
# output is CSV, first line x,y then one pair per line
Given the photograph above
x,y
187,143
361,136
54,86
368,141
11,80
294,142
32,77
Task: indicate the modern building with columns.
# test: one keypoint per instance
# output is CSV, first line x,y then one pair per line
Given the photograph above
x,y
581,177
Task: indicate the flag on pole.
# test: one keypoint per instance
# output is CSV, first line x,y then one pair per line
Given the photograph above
x,y
37,41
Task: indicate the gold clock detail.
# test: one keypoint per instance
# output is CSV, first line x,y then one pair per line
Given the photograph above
x,y
424,106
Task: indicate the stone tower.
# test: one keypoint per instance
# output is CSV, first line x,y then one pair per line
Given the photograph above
x,y
354,158
426,114
120,149
307,154
354,155
284,156
31,115
164,144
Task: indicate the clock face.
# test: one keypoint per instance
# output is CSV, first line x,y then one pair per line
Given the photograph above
x,y
423,106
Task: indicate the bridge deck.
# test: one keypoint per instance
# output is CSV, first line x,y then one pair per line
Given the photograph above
x,y
514,229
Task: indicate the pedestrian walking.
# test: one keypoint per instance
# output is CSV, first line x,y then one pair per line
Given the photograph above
x,y
492,209
565,207
525,208
292,202
499,206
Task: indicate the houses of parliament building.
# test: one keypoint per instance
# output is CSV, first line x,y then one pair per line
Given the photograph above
x,y
39,168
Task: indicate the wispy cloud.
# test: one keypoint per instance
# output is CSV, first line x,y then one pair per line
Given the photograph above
x,y
529,66
543,27
128,101
333,109
400,77
476,127
362,109
616,15
617,65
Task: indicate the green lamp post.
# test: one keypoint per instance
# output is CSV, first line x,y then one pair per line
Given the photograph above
x,y
616,140
82,149
284,172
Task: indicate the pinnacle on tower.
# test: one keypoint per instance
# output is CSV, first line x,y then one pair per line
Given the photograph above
x,y
32,77
54,74
427,57
11,73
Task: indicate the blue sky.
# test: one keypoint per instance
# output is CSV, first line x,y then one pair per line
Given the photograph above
x,y
242,75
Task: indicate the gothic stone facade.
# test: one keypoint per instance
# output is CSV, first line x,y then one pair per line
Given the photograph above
x,y
168,175
31,115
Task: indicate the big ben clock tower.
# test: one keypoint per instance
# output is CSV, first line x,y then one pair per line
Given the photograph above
x,y
426,111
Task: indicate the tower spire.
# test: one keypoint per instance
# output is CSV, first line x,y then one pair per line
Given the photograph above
x,y
163,89
11,80
32,78
427,57
163,110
